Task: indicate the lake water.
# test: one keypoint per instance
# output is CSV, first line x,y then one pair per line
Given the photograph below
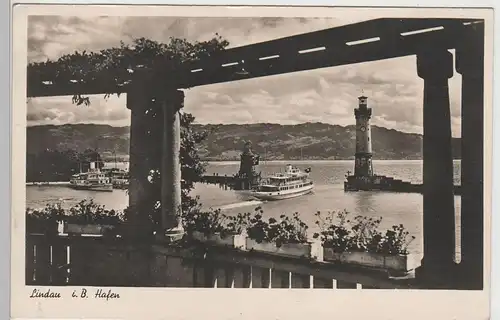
x,y
328,176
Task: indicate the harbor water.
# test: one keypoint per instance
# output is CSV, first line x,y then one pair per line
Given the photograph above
x,y
328,195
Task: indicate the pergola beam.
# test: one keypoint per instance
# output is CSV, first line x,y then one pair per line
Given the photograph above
x,y
282,55
333,55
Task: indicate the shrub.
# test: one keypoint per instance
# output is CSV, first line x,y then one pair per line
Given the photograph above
x,y
396,241
284,230
85,212
365,235
88,212
336,236
238,224
361,234
207,222
44,220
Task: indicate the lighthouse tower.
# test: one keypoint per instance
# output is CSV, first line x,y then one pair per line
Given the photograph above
x,y
247,173
363,158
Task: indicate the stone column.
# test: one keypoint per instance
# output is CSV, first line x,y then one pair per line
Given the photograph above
x,y
138,101
470,64
171,200
436,67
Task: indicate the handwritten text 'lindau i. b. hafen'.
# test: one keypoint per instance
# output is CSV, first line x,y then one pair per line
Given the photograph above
x,y
76,294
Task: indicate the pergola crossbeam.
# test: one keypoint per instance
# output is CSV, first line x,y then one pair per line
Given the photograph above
x,y
360,42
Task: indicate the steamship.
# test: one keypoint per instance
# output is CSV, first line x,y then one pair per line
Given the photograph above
x,y
290,184
93,180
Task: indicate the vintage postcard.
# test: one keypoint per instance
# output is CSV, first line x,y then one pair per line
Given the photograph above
x,y
179,162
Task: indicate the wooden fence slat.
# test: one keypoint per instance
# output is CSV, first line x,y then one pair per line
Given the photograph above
x,y
30,261
280,279
241,276
261,277
266,278
42,263
198,275
220,275
179,274
301,281
140,273
59,262
80,262
229,275
323,283
159,271
210,278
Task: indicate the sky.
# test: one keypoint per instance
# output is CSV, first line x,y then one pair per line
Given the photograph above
x,y
327,95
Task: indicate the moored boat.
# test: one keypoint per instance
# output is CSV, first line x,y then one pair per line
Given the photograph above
x,y
119,178
290,184
93,180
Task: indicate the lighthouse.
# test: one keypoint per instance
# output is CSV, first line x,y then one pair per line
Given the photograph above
x,y
364,178
363,158
247,174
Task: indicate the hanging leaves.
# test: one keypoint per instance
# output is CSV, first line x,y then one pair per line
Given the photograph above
x,y
113,68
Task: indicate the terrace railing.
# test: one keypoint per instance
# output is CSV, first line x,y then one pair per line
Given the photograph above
x,y
101,261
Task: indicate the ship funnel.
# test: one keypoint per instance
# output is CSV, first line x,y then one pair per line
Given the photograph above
x,y
92,166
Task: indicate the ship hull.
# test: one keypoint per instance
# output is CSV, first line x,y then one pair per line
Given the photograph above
x,y
282,195
101,188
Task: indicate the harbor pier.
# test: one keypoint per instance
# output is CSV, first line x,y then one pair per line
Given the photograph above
x,y
245,179
385,183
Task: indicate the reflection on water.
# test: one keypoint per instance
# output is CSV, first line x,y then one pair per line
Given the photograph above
x,y
328,195
365,203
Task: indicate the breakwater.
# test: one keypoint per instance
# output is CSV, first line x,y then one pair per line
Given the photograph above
x,y
228,182
385,183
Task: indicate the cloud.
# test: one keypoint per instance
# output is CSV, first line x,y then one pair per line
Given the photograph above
x,y
60,110
326,95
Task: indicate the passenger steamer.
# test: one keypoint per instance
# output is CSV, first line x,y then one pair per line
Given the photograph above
x,y
93,180
290,184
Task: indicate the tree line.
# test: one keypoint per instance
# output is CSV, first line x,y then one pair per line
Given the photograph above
x,y
59,165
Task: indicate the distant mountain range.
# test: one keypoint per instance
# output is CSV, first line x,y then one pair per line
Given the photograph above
x,y
271,141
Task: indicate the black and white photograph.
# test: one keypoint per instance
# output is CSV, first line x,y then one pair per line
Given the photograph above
x,y
334,152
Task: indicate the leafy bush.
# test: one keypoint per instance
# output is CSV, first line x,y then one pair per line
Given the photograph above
x,y
284,230
336,236
361,234
85,212
365,235
238,224
208,222
396,241
88,212
281,231
44,220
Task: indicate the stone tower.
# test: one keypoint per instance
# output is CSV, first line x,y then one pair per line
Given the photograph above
x,y
247,167
363,158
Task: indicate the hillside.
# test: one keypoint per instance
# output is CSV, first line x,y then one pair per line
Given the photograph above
x,y
272,141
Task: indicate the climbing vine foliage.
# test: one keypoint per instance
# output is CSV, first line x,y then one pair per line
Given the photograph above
x,y
114,68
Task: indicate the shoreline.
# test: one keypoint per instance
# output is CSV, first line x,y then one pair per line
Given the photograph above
x,y
48,183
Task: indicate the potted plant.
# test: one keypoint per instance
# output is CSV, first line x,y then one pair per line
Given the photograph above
x,y
210,227
361,243
285,236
